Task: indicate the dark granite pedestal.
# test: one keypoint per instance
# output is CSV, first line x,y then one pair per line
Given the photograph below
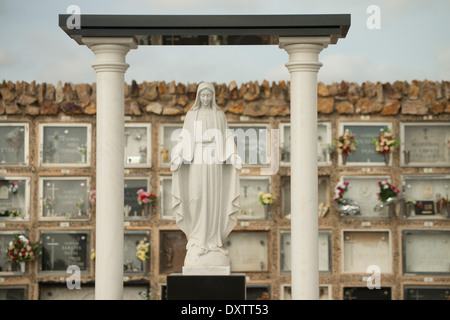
x,y
206,287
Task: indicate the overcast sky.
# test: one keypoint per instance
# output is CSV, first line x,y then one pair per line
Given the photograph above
x,y
413,42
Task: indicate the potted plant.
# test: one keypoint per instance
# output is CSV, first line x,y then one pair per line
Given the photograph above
x,y
385,143
21,250
345,145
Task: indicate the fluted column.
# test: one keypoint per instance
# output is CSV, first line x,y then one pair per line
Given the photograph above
x,y
110,67
303,67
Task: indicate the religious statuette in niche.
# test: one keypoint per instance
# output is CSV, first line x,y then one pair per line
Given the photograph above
x,y
205,184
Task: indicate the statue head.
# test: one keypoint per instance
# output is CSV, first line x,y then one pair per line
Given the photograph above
x,y
206,96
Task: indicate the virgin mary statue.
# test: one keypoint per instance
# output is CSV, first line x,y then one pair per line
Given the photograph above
x,y
205,181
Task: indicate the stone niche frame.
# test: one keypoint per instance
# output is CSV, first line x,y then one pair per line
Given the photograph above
x,y
422,191
83,149
325,257
86,270
5,237
324,292
426,251
7,197
11,292
425,145
364,142
130,252
388,260
82,213
385,212
324,140
135,159
8,143
137,212
166,142
246,238
248,128
246,213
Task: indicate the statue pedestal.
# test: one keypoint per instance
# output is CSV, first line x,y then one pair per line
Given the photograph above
x,y
206,287
203,271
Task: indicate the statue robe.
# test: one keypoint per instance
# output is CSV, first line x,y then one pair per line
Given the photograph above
x,y
205,188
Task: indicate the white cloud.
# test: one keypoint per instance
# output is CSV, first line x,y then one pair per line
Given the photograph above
x,y
6,57
75,69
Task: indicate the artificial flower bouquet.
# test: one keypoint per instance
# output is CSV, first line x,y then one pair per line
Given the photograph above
x,y
22,249
346,143
145,197
143,250
385,142
387,191
266,198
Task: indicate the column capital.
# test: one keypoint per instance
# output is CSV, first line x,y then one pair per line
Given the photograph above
x,y
110,52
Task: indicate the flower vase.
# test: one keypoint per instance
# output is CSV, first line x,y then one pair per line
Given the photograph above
x,y
386,158
83,158
344,159
267,211
148,209
22,266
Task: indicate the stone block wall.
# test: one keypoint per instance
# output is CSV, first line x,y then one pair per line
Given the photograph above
x,y
160,102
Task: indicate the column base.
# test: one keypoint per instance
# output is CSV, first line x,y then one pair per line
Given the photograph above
x,y
206,287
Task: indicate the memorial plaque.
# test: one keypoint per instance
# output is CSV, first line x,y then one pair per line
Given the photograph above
x,y
131,261
252,143
248,251
258,292
323,143
5,264
365,248
324,251
132,209
165,202
323,196
65,144
426,293
169,135
14,198
12,293
425,144
364,293
250,188
137,145
426,252
87,292
172,251
363,190
426,196
64,198
63,249
13,144
365,154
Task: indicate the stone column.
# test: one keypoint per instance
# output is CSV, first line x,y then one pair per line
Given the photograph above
x,y
110,67
303,66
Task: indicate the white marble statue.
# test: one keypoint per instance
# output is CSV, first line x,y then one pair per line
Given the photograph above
x,y
205,182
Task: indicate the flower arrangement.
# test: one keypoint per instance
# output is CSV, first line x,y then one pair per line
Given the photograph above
x,y
79,204
386,191
14,187
93,254
385,143
49,202
145,197
22,249
8,213
82,149
92,197
346,143
143,250
266,198
339,191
